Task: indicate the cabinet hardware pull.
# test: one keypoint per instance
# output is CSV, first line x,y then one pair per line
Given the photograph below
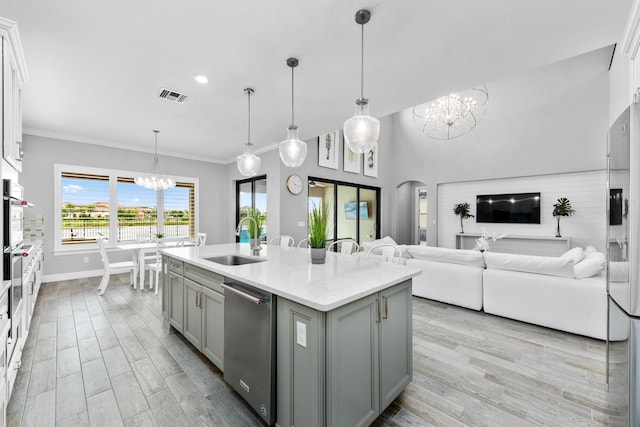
x,y
378,310
198,299
173,276
386,308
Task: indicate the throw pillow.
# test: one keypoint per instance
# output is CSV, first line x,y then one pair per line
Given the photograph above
x,y
589,249
591,265
576,254
385,240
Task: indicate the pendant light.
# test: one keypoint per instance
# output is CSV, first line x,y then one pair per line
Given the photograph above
x,y
292,150
361,131
248,163
155,180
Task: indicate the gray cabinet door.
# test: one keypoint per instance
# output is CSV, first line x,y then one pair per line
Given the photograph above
x,y
353,393
176,301
213,326
193,313
395,342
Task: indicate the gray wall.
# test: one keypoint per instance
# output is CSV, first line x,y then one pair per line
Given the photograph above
x,y
546,121
37,178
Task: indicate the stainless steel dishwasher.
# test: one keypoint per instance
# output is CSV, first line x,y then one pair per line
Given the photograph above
x,y
249,346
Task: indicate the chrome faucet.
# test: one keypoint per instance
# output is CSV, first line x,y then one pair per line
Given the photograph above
x,y
254,249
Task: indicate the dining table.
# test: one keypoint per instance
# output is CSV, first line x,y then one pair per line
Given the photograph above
x,y
140,249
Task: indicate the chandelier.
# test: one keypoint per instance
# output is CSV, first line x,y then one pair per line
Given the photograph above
x,y
248,163
155,180
452,115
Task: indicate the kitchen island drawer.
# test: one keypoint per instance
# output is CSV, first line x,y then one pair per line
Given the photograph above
x,y
175,266
204,277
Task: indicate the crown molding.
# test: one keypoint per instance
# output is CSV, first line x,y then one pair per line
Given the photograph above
x,y
631,35
120,145
9,30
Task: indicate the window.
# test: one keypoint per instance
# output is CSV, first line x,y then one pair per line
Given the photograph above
x,y
251,194
93,202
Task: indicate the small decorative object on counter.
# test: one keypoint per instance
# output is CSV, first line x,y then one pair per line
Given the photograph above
x,y
318,218
482,243
258,218
159,237
463,210
560,209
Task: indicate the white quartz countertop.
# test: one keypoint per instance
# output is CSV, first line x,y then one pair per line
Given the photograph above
x,y
288,273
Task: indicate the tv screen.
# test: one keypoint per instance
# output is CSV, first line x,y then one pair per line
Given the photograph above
x,y
520,208
350,210
615,206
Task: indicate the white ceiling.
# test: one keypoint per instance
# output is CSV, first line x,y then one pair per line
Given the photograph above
x,y
96,67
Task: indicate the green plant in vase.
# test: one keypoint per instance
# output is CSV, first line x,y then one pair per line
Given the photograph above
x,y
257,217
463,210
560,209
318,221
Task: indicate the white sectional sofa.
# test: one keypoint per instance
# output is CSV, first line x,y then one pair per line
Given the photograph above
x,y
567,293
545,292
453,276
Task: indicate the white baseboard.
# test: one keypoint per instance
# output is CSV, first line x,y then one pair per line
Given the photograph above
x,y
70,276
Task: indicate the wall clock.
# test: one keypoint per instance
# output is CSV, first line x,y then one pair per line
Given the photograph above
x,y
294,184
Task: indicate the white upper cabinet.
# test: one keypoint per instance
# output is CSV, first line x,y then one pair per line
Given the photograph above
x,y
14,74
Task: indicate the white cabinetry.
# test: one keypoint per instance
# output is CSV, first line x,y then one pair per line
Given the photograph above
x,y
14,74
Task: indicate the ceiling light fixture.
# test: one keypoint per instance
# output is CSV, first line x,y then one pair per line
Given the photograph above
x,y
248,163
452,115
201,78
155,180
292,150
361,131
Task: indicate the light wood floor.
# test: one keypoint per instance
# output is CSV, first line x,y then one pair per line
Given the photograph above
x,y
105,361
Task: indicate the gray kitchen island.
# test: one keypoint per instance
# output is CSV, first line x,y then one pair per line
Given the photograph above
x,y
340,333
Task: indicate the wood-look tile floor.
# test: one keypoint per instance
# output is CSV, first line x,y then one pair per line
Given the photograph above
x,y
106,361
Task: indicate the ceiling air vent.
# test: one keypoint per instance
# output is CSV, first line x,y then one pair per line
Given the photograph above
x,y
173,96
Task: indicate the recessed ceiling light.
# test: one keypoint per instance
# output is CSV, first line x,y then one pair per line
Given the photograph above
x,y
200,78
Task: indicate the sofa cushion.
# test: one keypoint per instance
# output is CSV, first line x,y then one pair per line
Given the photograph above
x,y
592,264
386,240
576,254
551,266
454,256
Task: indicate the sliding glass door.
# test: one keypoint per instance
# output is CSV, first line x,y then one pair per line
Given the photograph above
x,y
251,194
353,209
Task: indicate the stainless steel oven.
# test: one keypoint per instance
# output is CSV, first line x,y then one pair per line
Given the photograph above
x,y
13,255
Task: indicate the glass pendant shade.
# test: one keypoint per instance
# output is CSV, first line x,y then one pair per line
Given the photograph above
x,y
361,131
292,150
155,180
248,163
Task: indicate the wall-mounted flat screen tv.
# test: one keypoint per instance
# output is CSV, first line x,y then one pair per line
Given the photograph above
x,y
350,210
615,206
517,208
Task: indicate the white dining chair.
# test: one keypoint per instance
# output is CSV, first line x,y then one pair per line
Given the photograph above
x,y
283,240
347,247
201,239
304,243
156,267
388,252
115,268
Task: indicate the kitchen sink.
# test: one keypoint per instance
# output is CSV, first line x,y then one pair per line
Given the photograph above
x,y
233,260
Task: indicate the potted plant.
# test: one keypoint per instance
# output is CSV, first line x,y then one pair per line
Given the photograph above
x,y
463,210
318,220
560,209
257,217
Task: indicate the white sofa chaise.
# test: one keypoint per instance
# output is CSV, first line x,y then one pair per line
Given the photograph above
x,y
453,276
545,292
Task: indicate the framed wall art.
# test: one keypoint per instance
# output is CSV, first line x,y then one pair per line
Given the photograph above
x,y
329,149
351,160
371,161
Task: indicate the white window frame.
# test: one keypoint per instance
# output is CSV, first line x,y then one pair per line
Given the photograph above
x,y
113,174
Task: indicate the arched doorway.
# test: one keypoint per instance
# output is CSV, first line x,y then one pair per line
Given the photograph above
x,y
410,212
